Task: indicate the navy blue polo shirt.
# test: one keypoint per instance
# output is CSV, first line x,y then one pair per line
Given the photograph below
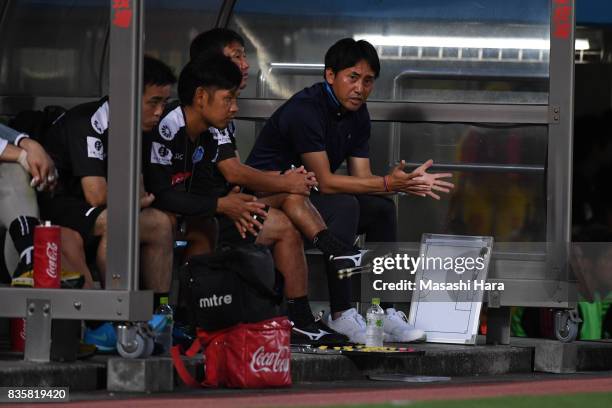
x,y
311,121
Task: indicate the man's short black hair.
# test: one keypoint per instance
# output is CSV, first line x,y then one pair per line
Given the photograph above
x,y
155,72
212,41
214,71
348,52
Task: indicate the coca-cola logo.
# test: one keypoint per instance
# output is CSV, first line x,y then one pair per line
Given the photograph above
x,y
271,361
52,257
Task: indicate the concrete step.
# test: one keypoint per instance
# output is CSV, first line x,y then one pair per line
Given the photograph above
x,y
156,374
83,375
552,356
438,360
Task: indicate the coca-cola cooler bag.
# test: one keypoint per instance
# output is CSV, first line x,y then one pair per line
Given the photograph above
x,y
230,286
257,355
249,355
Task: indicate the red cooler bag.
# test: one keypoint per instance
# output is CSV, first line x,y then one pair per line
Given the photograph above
x,y
257,355
248,355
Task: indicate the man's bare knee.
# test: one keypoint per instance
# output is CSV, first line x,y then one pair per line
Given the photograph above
x,y
155,225
295,199
280,226
100,224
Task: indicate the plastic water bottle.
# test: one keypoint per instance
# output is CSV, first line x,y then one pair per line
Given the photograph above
x,y
374,324
164,336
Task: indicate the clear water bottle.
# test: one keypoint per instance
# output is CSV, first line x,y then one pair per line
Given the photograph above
x,y
163,336
375,318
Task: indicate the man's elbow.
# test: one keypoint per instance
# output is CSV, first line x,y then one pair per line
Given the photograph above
x,y
239,175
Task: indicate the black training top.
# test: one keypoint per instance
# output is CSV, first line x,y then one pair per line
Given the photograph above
x,y
183,174
77,142
311,121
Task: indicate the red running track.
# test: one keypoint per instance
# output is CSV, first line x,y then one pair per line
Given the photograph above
x,y
303,398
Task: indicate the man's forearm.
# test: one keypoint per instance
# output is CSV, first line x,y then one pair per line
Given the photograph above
x,y
10,153
336,183
257,180
11,135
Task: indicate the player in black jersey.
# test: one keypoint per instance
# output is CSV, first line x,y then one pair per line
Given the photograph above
x,y
78,144
183,170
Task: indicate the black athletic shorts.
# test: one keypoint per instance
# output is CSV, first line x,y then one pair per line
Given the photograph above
x,y
72,213
229,235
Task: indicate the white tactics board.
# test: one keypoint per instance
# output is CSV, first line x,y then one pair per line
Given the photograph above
x,y
448,295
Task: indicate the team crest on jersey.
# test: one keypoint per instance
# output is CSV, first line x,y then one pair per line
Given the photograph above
x,y
171,124
221,136
160,154
99,120
95,148
198,155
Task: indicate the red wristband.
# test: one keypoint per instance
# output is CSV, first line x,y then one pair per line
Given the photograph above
x,y
386,184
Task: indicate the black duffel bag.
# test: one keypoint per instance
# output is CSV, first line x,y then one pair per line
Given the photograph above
x,y
229,286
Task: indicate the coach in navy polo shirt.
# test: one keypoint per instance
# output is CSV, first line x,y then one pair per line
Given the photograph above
x,y
321,127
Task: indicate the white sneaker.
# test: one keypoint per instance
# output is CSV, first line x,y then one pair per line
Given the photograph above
x,y
351,324
398,330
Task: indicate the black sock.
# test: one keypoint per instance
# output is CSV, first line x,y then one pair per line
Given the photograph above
x,y
329,244
157,297
299,311
22,234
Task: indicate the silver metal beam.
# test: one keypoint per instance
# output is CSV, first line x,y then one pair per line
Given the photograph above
x,y
80,303
560,133
251,108
505,168
124,139
225,12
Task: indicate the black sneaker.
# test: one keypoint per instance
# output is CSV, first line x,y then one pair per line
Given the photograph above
x,y
317,334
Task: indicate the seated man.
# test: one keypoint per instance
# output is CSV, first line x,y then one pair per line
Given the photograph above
x,y
296,206
78,144
24,165
185,172
321,127
20,158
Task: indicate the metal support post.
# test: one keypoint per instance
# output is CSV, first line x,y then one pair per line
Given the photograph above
x,y
498,325
124,142
38,330
560,137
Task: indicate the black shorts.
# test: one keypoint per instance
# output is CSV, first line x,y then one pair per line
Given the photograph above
x,y
229,235
72,213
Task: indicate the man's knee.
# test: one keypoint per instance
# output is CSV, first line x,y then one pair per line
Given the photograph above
x,y
71,240
155,224
295,199
342,216
100,224
281,226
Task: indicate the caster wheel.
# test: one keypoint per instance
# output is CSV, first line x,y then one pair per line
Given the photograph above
x,y
566,325
141,347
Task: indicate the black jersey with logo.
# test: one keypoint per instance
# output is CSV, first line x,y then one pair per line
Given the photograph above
x,y
77,142
183,173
